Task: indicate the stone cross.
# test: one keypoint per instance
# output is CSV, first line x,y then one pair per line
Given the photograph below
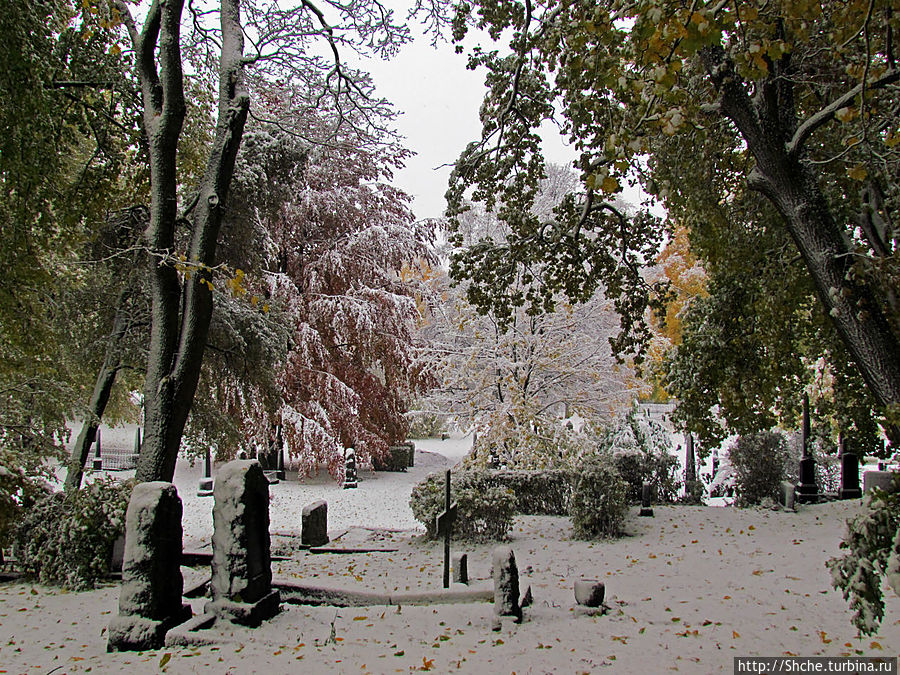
x,y
445,527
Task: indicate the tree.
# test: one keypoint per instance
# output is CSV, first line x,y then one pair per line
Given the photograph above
x,y
519,375
797,103
180,284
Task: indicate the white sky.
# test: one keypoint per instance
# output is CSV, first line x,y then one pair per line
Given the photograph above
x,y
439,101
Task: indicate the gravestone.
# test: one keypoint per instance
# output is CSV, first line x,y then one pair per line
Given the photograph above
x,y
241,584
150,596
849,473
646,508
590,592
98,458
411,458
506,583
444,526
279,466
807,490
461,568
314,524
787,494
206,483
137,441
350,469
690,462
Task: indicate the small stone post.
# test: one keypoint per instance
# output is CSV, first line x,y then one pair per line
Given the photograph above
x,y
137,441
150,597
849,473
241,583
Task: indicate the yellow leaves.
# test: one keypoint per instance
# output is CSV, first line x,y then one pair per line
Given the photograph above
x,y
735,635
749,12
875,645
823,636
858,173
610,185
892,139
427,664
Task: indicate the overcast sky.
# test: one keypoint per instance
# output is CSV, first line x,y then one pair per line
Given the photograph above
x,y
439,101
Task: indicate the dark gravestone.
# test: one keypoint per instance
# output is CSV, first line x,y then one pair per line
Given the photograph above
x,y
690,462
444,526
506,583
411,457
646,508
849,473
279,467
461,568
150,596
205,488
241,583
350,480
137,441
98,455
314,524
807,490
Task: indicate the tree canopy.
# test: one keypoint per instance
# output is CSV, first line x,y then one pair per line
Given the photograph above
x,y
780,117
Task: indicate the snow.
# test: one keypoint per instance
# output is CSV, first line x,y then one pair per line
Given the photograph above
x,y
688,589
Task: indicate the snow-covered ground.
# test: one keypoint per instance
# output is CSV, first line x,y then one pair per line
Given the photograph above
x,y
688,590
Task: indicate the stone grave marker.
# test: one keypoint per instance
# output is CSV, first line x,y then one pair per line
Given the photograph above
x,y
444,522
314,524
807,490
241,583
350,479
787,494
150,596
461,568
98,456
646,507
849,473
590,592
205,488
505,573
690,462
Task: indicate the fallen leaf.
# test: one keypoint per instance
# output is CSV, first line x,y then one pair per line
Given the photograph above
x,y
735,634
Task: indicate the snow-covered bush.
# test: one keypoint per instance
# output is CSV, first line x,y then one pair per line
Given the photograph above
x,y
599,500
22,483
67,539
872,541
640,448
759,462
485,511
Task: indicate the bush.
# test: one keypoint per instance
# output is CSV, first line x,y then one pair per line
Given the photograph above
x,y
68,539
599,499
640,448
873,544
759,462
485,510
426,425
538,493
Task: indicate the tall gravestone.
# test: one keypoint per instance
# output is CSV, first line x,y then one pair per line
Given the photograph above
x,y
807,490
241,583
690,462
98,455
150,597
849,473
646,503
205,488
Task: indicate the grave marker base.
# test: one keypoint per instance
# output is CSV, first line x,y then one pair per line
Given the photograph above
x,y
135,633
246,613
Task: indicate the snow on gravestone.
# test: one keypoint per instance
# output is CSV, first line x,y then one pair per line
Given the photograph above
x,y
314,524
150,596
506,583
242,564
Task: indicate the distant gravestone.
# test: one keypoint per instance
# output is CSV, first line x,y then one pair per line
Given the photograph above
x,y
150,596
849,473
205,489
646,506
807,490
444,526
690,462
241,584
411,457
98,454
350,480
314,524
506,583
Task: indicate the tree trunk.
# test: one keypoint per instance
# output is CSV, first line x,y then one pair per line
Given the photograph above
x,y
106,377
180,316
766,124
